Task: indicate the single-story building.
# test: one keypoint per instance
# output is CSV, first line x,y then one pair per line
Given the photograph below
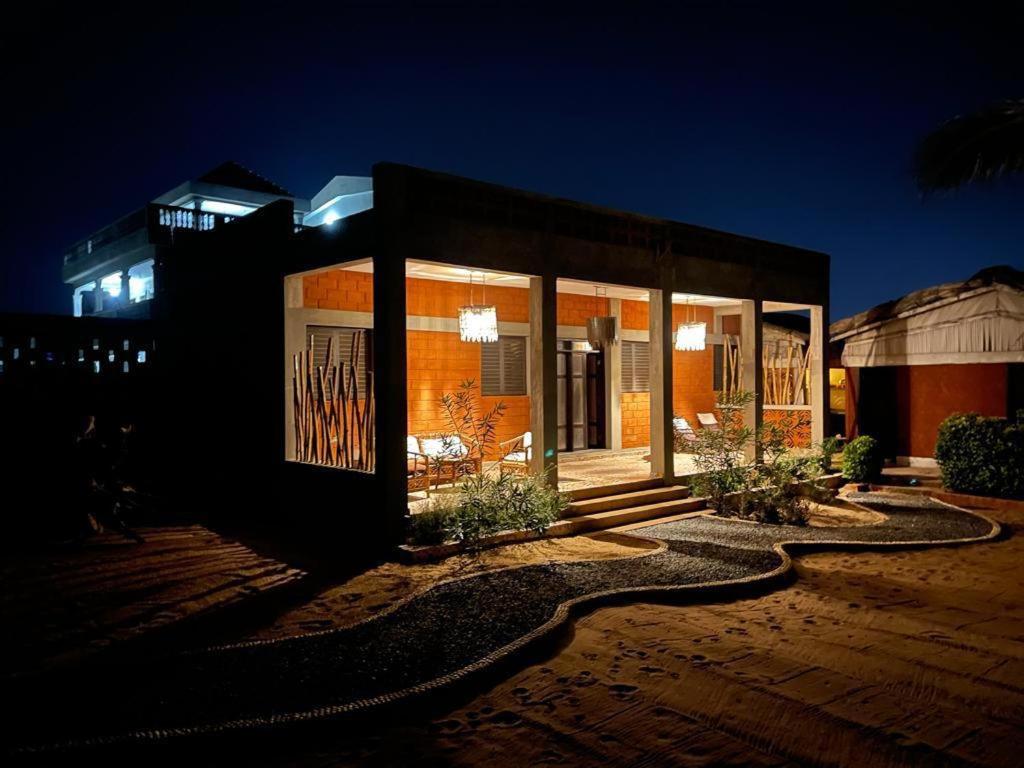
x,y
902,367
306,362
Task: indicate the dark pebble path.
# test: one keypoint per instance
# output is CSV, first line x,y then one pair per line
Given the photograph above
x,y
428,641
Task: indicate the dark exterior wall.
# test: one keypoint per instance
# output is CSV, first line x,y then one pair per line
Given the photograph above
x,y
460,221
48,389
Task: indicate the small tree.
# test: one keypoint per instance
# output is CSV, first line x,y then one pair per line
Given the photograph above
x,y
719,453
775,489
474,426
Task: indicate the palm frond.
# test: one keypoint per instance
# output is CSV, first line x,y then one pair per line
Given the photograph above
x,y
980,146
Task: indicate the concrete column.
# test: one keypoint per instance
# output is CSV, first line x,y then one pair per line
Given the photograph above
x,y
126,292
818,365
389,382
662,455
751,342
543,377
613,381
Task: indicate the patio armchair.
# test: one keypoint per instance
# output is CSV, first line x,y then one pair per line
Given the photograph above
x,y
708,421
417,466
683,435
515,454
449,458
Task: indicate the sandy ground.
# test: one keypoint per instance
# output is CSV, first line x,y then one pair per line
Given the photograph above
x,y
376,589
867,659
842,513
67,601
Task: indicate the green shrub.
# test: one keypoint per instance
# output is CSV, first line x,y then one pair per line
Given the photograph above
x,y
431,525
774,490
718,454
862,460
486,504
827,449
982,455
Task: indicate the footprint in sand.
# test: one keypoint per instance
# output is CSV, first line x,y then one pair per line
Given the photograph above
x,y
622,691
652,670
551,756
448,726
505,719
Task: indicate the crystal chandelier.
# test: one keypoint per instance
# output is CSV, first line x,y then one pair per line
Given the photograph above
x,y
691,335
601,331
478,322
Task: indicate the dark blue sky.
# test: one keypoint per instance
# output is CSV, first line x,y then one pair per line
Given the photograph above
x,y
790,123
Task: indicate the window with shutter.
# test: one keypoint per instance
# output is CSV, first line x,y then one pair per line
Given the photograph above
x,y
636,359
503,366
342,350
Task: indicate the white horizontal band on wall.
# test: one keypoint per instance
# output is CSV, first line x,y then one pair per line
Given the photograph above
x,y
351,319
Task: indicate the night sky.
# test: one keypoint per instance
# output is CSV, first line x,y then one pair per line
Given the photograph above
x,y
793,125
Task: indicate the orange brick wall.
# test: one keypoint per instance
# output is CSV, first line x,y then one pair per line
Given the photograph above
x,y
692,377
338,289
693,372
927,394
636,315
438,362
636,419
574,309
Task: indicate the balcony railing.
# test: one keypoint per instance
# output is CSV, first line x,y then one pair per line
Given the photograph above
x,y
161,220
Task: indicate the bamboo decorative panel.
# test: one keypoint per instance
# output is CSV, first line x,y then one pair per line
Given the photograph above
x,y
334,420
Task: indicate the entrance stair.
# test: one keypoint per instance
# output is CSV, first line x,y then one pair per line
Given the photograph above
x,y
594,509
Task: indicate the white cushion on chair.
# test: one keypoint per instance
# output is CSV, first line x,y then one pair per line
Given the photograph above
x,y
412,445
707,419
681,424
518,456
527,439
445,447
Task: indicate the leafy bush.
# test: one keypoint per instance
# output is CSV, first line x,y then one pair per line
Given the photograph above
x,y
827,449
719,454
486,504
862,460
777,489
982,455
431,526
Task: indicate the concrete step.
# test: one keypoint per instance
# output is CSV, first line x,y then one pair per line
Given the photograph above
x,y
582,494
626,500
614,518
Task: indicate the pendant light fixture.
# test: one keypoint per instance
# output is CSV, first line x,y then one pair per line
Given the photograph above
x,y
602,329
478,322
691,335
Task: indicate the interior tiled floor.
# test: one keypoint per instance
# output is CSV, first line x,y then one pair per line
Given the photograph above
x,y
591,469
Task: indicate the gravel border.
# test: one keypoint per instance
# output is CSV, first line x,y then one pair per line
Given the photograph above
x,y
447,633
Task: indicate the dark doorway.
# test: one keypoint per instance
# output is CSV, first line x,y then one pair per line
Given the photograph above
x,y
581,397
